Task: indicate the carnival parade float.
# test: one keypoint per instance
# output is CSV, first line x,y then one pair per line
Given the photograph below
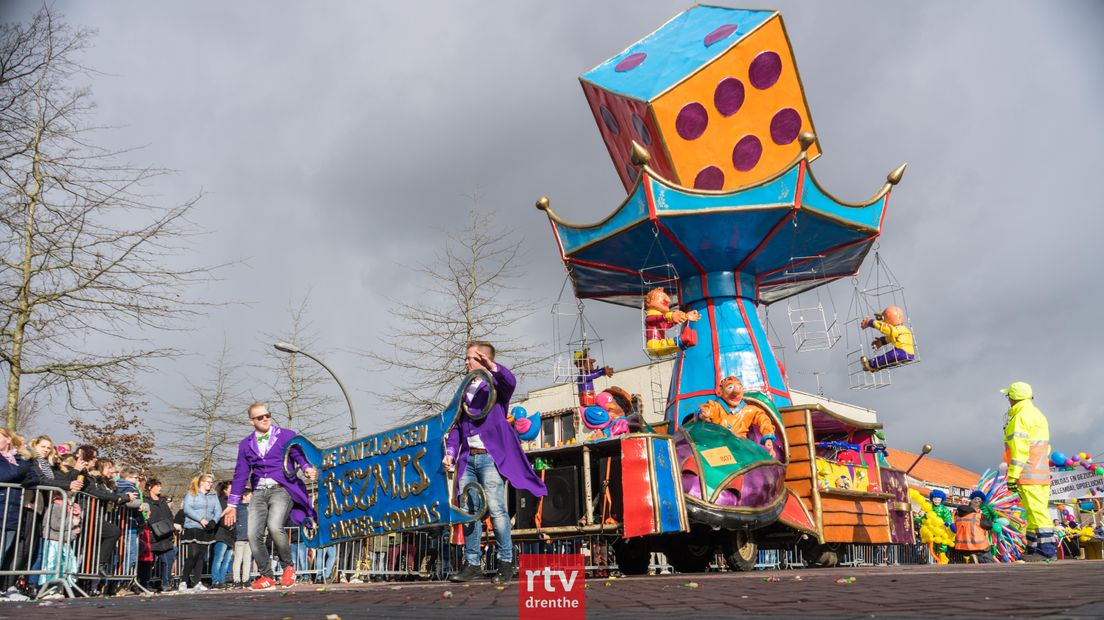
x,y
709,130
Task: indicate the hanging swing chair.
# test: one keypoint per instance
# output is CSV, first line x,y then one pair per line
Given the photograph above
x,y
812,314
659,284
879,329
575,339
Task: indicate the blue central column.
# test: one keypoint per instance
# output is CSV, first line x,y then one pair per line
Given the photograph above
x,y
731,341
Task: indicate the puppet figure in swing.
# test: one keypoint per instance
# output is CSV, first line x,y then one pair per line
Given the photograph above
x,y
587,373
658,318
891,322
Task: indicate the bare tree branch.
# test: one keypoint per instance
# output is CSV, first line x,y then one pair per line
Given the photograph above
x,y
90,265
470,296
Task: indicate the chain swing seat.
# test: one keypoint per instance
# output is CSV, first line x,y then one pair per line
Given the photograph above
x,y
879,330
576,342
813,325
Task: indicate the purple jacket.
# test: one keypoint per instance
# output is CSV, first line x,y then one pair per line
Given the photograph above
x,y
252,466
498,436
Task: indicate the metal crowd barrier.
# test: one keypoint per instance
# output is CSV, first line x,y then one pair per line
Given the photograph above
x,y
32,551
105,550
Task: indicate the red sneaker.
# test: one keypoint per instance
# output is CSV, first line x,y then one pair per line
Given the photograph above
x,y
288,578
263,583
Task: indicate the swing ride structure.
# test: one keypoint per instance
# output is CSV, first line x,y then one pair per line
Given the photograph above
x,y
708,128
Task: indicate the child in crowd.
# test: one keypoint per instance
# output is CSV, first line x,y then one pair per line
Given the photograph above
x,y
243,555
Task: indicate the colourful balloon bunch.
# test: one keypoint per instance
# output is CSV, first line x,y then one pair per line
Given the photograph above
x,y
1059,459
932,529
1009,526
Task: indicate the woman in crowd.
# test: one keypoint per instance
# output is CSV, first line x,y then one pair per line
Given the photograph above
x,y
15,470
201,513
222,554
161,533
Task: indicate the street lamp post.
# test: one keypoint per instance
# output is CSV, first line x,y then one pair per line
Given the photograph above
x,y
923,452
285,347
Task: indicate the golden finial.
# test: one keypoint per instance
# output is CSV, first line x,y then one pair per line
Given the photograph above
x,y
806,139
639,155
895,177
543,203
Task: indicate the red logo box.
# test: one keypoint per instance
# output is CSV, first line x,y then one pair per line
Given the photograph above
x,y
551,586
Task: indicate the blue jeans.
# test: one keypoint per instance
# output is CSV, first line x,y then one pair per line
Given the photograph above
x,y
165,562
268,512
220,564
323,562
481,468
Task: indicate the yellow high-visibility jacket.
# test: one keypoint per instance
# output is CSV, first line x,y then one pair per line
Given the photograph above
x,y
1027,444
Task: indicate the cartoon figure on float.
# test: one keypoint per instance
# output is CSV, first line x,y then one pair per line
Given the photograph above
x,y
588,372
526,426
607,418
740,412
658,318
891,322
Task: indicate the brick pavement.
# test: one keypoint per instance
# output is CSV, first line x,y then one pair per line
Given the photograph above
x,y
1061,590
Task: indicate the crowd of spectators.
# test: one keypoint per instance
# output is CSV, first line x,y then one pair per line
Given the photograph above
x,y
65,511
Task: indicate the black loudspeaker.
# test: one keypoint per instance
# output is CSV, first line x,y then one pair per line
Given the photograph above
x,y
560,506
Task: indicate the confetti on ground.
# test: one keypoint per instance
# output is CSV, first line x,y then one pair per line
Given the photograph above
x,y
396,587
692,584
446,594
772,579
500,587
798,578
846,580
333,617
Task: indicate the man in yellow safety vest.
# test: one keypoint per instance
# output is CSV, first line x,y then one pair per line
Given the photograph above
x,y
1027,454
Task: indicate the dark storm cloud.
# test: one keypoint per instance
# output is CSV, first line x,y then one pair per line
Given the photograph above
x,y
332,140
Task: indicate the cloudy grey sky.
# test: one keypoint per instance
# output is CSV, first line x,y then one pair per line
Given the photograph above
x,y
330,137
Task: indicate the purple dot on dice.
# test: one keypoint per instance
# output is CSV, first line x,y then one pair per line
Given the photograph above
x,y
785,126
642,130
691,121
728,96
746,153
630,62
720,34
710,177
609,120
764,70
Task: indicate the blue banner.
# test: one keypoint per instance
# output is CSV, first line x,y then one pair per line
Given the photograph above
x,y
388,482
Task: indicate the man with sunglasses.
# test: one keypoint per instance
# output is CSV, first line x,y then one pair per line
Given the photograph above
x,y
276,493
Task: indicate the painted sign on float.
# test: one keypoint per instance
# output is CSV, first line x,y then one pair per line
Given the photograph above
x,y
388,482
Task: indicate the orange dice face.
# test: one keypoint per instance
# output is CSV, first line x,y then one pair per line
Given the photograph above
x,y
716,93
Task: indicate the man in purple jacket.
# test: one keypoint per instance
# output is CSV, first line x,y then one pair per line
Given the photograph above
x,y
487,450
276,494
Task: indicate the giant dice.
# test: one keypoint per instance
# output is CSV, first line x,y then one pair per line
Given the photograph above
x,y
714,95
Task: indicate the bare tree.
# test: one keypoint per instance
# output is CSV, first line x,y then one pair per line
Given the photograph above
x,y
305,395
121,434
26,417
470,295
207,428
91,266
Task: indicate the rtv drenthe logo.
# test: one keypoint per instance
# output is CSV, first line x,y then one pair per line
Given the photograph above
x,y
551,586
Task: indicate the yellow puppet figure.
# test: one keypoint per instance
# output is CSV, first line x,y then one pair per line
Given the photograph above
x,y
891,322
